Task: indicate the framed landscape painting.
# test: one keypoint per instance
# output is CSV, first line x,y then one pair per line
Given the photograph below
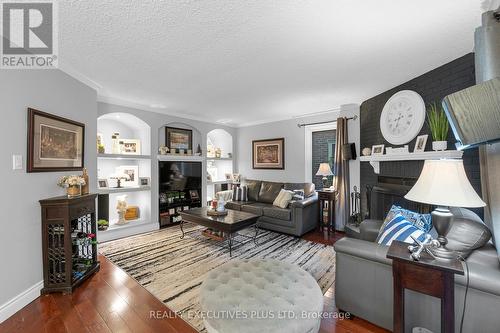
x,y
54,143
178,138
268,154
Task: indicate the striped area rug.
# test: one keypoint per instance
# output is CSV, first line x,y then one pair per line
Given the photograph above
x,y
172,269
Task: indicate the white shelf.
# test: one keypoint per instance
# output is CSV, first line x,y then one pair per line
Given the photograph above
x,y
134,227
219,159
180,158
123,189
426,155
220,182
123,157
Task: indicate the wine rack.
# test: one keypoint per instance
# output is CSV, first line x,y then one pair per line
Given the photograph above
x,y
69,242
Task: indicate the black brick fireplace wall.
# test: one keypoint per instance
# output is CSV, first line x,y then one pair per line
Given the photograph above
x,y
432,86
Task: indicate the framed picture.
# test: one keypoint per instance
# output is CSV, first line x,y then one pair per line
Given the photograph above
x,y
132,171
131,146
193,194
268,154
420,143
378,150
178,138
144,181
229,176
236,178
102,183
54,143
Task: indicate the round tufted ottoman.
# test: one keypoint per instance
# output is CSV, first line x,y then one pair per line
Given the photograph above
x,y
261,296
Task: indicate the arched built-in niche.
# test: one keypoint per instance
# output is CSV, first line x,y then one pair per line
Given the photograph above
x,y
219,138
129,127
197,136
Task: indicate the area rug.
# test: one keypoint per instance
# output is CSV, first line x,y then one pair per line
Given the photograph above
x,y
172,269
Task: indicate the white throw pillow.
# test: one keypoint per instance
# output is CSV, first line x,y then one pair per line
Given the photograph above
x,y
283,199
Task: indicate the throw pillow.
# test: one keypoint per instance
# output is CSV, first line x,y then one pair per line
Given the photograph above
x,y
399,229
298,195
283,199
240,193
421,221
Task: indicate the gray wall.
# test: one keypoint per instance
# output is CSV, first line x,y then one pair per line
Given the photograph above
x,y
294,146
51,91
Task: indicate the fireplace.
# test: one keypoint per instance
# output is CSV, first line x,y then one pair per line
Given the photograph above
x,y
390,191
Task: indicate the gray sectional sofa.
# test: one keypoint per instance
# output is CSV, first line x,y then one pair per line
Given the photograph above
x,y
363,285
298,218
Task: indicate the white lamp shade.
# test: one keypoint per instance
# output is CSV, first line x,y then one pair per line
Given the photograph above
x,y
444,183
324,170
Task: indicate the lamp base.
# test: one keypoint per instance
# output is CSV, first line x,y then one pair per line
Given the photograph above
x,y
441,220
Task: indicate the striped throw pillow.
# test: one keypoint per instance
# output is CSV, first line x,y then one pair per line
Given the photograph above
x,y
240,193
399,229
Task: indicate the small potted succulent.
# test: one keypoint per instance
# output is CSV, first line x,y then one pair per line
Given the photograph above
x,y
438,123
73,185
102,225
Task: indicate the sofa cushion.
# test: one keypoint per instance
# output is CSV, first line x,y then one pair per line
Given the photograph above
x,y
240,193
253,189
236,205
255,208
421,221
308,188
401,230
278,213
283,199
467,232
269,191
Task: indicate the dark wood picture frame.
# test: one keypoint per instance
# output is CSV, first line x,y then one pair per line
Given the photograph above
x,y
31,167
169,130
278,166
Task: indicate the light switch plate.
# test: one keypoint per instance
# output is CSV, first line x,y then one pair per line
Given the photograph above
x,y
17,162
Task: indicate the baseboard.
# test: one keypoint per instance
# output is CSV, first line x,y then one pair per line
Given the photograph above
x,y
20,301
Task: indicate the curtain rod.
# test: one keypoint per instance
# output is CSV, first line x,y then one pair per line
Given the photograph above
x,y
326,122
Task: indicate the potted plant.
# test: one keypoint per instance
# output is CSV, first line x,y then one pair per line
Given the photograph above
x,y
102,225
73,185
438,123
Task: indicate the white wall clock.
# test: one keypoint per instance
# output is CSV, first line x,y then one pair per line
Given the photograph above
x,y
402,117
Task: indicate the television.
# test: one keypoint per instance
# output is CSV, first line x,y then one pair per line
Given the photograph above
x,y
474,114
179,176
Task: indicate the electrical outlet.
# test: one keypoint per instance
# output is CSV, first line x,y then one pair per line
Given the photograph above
x,y
17,162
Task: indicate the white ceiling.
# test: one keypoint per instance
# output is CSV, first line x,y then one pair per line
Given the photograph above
x,y
243,62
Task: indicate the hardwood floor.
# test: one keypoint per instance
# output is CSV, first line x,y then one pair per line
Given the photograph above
x,y
111,301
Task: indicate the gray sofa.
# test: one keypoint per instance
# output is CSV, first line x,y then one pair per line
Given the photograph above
x,y
364,287
298,218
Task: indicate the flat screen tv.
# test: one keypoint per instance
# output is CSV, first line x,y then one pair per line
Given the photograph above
x,y
474,114
179,176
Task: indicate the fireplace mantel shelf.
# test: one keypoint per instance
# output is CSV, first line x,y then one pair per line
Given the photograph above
x,y
426,155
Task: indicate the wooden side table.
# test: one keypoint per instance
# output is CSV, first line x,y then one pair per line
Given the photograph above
x,y
327,200
427,276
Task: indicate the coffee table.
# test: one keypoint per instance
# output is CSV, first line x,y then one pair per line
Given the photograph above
x,y
230,224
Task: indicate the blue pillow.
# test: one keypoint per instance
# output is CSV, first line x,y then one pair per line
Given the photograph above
x,y
399,228
421,221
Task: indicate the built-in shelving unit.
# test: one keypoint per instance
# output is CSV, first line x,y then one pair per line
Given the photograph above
x,y
375,160
171,157
220,165
129,127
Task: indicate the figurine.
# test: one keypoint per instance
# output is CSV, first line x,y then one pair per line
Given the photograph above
x,y
121,209
417,249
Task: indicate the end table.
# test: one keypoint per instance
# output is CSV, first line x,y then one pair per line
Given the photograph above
x,y
326,200
415,275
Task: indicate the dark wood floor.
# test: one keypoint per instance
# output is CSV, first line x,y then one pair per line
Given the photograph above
x,y
111,301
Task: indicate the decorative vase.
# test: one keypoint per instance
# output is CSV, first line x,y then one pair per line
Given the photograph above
x,y
73,191
366,151
85,176
439,145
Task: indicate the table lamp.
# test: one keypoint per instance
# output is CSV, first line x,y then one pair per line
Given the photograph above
x,y
443,183
325,171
